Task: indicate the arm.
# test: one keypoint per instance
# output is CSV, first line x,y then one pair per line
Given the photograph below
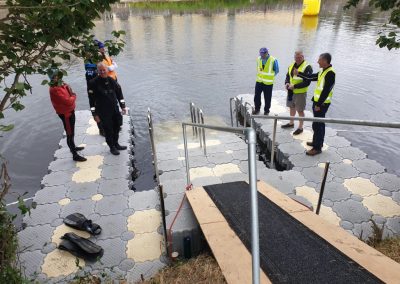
x,y
307,72
310,77
113,65
328,86
276,67
92,98
61,96
120,95
287,80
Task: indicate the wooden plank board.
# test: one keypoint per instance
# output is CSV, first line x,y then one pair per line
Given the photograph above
x,y
231,254
375,262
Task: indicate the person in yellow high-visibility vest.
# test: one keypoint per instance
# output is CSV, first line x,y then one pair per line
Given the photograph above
x,y
321,100
267,69
297,90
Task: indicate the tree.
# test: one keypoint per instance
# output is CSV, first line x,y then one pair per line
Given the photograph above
x,y
38,34
387,37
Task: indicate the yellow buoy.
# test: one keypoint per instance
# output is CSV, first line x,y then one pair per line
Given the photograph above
x,y
311,7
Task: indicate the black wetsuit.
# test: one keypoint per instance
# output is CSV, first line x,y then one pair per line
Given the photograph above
x,y
105,95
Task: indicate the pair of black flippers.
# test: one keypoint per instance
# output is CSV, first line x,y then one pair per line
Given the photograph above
x,y
78,246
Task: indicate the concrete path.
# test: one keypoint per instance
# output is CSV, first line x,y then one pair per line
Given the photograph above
x,y
358,189
101,190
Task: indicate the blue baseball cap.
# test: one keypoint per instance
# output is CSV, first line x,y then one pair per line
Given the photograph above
x,y
263,50
99,44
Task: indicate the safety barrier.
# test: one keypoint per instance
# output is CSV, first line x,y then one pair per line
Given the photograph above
x,y
197,116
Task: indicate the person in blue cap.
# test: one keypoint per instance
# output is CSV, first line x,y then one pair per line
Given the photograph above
x,y
267,69
111,64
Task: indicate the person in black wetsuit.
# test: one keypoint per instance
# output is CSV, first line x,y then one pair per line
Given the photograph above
x,y
104,97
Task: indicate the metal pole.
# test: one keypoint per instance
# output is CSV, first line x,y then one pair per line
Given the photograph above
x,y
273,144
204,134
191,115
230,107
321,192
153,145
199,129
195,120
186,154
255,246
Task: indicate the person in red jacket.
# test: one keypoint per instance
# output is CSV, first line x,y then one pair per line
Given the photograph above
x,y
63,100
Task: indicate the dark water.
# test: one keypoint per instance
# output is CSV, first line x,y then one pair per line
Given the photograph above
x,y
172,58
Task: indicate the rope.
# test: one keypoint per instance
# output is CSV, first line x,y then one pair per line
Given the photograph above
x,y
187,188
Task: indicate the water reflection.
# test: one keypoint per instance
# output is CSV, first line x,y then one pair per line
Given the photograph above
x,y
206,54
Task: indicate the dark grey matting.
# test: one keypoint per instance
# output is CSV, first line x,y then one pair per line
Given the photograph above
x,y
289,251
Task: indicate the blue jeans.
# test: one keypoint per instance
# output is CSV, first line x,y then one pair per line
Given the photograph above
x,y
267,90
319,127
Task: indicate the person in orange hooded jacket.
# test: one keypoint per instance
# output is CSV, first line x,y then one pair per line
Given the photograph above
x,y
63,100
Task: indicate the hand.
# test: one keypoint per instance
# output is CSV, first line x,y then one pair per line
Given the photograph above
x,y
97,118
295,72
123,111
291,87
287,86
317,108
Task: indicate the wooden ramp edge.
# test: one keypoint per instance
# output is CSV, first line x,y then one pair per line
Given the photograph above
x,y
235,260
232,256
372,260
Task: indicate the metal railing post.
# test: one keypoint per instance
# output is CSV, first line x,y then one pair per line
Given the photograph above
x,y
195,120
191,115
273,144
255,246
321,192
153,146
186,154
204,133
230,107
200,130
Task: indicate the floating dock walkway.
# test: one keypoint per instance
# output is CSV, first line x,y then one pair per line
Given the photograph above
x,y
101,190
357,189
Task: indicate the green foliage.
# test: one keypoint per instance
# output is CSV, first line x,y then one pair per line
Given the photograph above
x,y
36,35
388,36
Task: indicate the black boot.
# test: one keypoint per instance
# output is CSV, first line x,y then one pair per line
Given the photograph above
x,y
119,147
114,151
76,157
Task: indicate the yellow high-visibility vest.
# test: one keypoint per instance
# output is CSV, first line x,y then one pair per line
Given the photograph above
x,y
320,86
296,80
266,75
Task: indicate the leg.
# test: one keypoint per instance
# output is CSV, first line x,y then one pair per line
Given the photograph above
x,y
257,96
319,132
292,114
107,123
267,89
117,118
69,126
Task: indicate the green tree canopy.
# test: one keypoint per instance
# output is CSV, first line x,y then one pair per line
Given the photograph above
x,y
38,34
388,36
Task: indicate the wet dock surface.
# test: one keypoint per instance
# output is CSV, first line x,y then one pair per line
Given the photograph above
x,y
101,189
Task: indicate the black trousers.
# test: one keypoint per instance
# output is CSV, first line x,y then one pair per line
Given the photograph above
x,y
267,90
69,127
319,127
111,125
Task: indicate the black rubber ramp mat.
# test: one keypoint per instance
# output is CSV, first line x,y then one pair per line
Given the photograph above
x,y
289,251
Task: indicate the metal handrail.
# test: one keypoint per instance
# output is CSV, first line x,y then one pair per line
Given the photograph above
x,y
197,116
250,135
245,116
160,187
381,124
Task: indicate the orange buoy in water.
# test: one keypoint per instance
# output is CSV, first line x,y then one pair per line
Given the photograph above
x,y
311,7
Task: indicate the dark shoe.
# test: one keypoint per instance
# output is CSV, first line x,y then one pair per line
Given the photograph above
x,y
310,144
82,246
287,125
313,152
114,151
266,113
298,131
79,148
79,221
255,112
119,147
79,158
